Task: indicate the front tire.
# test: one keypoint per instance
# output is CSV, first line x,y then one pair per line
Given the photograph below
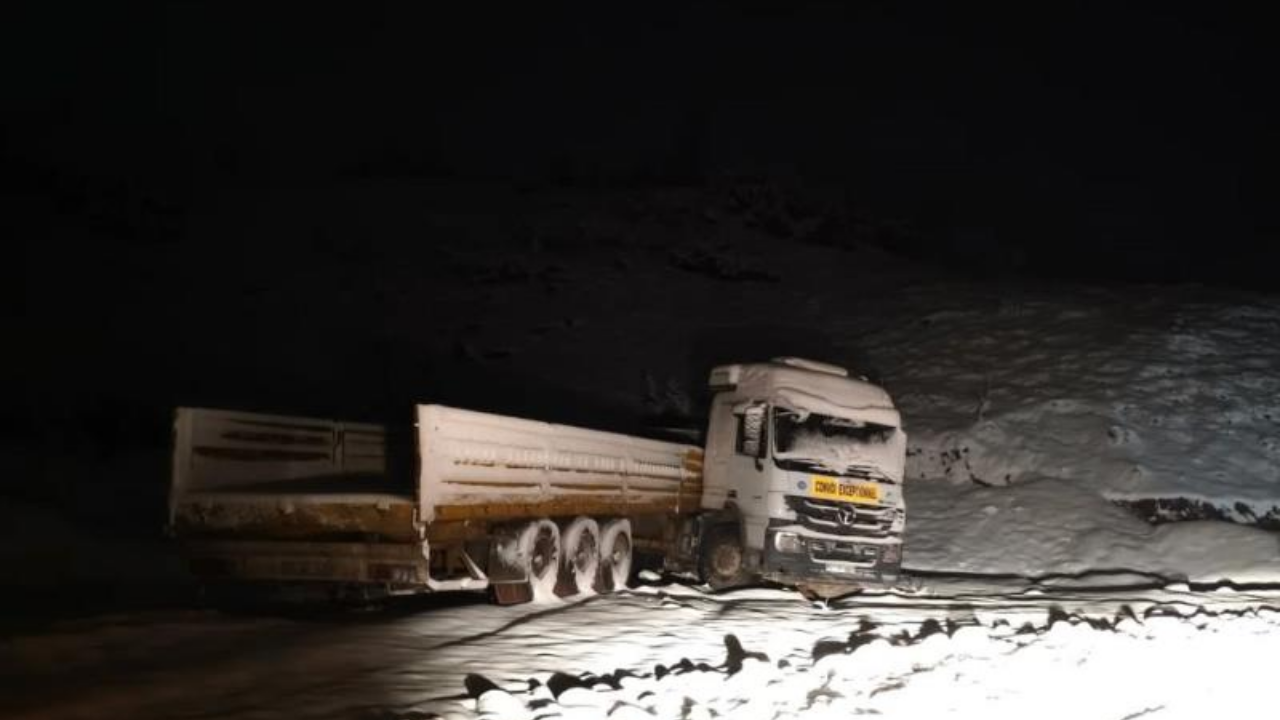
x,y
723,561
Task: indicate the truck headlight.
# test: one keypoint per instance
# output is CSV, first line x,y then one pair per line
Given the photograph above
x,y
786,542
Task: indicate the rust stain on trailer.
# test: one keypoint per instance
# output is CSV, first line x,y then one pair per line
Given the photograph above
x,y
458,530
306,560
270,521
556,507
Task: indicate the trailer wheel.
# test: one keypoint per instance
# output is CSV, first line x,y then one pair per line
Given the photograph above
x,y
615,555
723,560
581,544
539,545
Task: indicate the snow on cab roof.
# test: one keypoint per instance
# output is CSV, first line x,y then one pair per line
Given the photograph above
x,y
817,390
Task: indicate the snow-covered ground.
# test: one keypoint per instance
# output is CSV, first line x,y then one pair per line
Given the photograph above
x,y
1054,528
960,649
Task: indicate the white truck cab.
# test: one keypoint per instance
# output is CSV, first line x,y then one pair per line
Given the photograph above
x,y
802,477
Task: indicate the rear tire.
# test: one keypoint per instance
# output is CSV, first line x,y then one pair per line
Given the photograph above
x,y
539,545
615,555
581,545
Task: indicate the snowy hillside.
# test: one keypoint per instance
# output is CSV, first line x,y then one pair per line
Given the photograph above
x,y
1169,405
1061,533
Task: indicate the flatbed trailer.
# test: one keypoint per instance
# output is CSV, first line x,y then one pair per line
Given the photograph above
x,y
260,497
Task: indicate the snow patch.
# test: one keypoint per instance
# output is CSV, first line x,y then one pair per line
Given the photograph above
x,y
1134,397
1053,527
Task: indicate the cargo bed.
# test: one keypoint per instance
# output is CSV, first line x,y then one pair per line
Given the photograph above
x,y
281,498
248,476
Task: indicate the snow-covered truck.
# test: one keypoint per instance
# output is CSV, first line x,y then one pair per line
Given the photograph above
x,y
799,482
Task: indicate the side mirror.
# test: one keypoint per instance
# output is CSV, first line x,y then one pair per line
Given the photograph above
x,y
753,433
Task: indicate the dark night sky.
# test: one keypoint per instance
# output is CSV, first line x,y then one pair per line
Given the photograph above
x,y
1098,142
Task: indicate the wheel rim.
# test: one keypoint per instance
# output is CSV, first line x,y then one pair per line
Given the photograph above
x,y
616,556
726,560
585,552
544,553
621,549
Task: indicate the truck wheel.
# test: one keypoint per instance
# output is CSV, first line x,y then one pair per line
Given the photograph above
x,y
722,559
539,545
615,555
581,544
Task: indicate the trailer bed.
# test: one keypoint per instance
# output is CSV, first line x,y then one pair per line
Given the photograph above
x,y
249,476
279,498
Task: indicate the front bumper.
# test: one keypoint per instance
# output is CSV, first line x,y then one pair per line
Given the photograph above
x,y
803,558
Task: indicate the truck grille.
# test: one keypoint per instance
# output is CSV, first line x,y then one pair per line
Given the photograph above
x,y
830,551
840,518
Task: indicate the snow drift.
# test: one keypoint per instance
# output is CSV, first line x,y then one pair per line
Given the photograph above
x,y
1051,528
1155,403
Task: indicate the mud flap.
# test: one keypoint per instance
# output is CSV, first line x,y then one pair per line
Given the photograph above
x,y
512,593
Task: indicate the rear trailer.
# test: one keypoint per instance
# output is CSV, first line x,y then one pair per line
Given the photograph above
x,y
529,508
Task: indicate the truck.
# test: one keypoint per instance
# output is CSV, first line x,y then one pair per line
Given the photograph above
x,y
798,482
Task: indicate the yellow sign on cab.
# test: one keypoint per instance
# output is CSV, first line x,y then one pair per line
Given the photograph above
x,y
829,488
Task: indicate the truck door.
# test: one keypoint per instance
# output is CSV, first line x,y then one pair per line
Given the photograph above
x,y
720,440
737,463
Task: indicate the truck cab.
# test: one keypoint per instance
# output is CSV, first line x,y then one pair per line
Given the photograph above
x,y
802,478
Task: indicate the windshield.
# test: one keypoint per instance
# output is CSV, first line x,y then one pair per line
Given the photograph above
x,y
809,441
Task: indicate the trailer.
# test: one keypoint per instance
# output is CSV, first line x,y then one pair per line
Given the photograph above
x,y
495,502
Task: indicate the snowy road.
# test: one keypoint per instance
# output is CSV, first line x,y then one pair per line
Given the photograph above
x,y
669,651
